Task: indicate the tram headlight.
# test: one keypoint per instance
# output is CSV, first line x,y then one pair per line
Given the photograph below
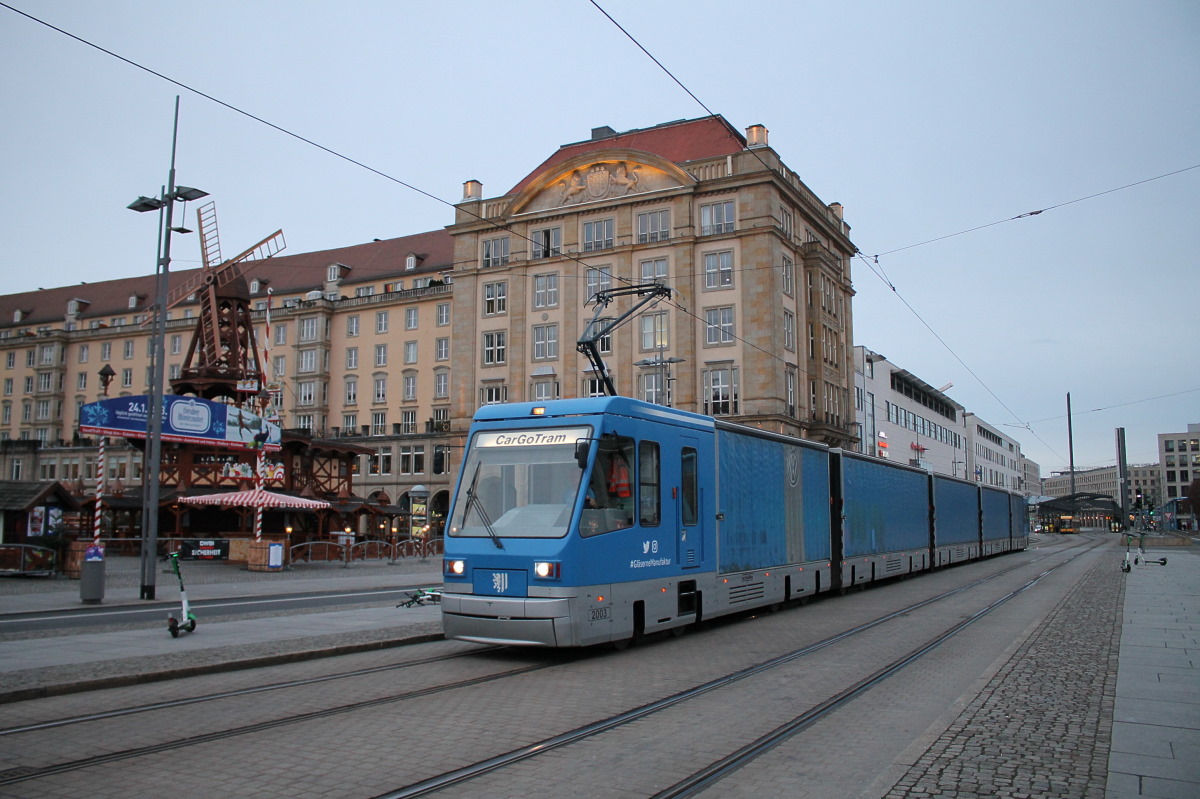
x,y
547,570
455,568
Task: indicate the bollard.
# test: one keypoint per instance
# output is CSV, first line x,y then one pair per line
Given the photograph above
x,y
91,576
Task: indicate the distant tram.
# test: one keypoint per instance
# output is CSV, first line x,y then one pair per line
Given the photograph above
x,y
588,521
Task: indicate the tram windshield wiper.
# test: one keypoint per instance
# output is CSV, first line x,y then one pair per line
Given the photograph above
x,y
473,501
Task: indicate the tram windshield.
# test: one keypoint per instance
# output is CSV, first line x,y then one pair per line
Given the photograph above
x,y
518,484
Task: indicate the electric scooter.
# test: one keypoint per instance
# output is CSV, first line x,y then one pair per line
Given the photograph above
x,y
189,618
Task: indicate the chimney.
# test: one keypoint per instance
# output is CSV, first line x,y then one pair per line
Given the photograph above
x,y
603,132
837,210
756,136
472,190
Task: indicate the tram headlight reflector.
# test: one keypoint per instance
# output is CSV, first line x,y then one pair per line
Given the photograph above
x,y
456,568
547,570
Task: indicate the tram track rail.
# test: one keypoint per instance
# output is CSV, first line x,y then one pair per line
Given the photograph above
x,y
721,768
433,784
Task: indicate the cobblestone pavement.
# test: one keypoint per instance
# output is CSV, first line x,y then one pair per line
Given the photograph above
x,y
1042,726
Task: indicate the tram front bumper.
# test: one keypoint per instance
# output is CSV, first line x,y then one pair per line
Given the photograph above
x,y
512,622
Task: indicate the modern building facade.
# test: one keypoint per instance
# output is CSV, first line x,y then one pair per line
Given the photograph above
x,y
1179,456
905,419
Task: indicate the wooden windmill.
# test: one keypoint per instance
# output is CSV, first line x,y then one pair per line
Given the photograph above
x,y
222,360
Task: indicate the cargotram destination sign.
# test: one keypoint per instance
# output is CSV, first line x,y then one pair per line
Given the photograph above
x,y
190,420
532,438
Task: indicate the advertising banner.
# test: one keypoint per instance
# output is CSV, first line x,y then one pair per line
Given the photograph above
x,y
190,420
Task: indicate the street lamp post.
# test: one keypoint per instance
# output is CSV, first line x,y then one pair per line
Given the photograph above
x,y
165,205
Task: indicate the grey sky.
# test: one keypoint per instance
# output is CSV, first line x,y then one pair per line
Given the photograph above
x,y
923,119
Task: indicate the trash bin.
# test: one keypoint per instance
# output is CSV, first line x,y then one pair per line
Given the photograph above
x,y
91,576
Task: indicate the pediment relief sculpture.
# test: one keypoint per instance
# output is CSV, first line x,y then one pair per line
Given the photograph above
x,y
593,182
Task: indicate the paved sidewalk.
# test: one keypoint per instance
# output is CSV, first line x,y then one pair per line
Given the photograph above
x,y
48,663
1156,722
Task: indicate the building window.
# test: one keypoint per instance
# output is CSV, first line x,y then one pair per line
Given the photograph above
x,y
381,388
410,318
441,385
306,393
495,251
719,325
127,378
350,424
493,347
789,276
787,222
654,226
789,331
545,291
410,352
280,365
544,390
128,350
352,357
493,395
654,330
545,342
352,391
654,270
654,387
443,314
716,218
351,327
441,349
381,321
379,423
547,242
364,291
721,391
83,354
410,387
408,422
308,361
718,269
308,329
597,235
598,279
381,355
495,298
594,387
412,459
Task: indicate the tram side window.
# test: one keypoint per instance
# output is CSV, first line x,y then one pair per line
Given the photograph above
x,y
689,476
649,479
609,502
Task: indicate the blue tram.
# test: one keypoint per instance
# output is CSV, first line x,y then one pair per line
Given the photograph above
x,y
587,521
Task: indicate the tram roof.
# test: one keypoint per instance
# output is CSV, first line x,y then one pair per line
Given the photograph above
x,y
590,406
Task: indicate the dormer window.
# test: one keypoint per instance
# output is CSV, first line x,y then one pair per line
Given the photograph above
x,y
133,300
410,262
254,286
18,315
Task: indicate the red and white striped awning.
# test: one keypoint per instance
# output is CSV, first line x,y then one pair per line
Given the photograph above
x,y
254,498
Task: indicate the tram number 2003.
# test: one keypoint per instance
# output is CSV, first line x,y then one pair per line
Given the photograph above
x,y
598,614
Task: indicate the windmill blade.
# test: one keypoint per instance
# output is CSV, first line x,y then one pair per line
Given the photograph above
x,y
210,242
228,271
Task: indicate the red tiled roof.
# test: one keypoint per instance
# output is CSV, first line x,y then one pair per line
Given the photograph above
x,y
678,142
288,274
